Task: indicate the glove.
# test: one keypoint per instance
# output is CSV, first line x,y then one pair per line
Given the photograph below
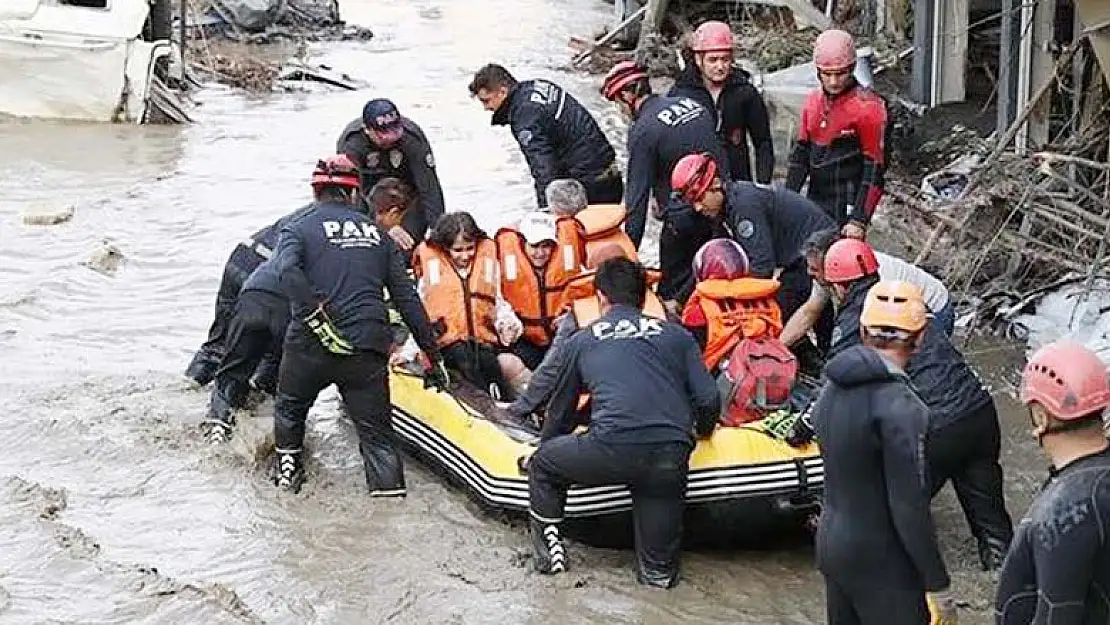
x,y
942,608
329,335
436,375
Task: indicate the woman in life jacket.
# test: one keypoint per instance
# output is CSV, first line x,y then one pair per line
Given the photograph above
x,y
458,279
536,265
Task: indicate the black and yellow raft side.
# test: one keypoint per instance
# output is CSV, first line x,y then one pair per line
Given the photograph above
x,y
735,465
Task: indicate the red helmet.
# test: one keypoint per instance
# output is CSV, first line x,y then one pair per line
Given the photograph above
x,y
623,74
1068,379
336,170
693,175
833,50
713,36
849,259
720,259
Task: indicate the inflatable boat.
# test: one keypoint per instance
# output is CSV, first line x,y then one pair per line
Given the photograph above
x,y
466,436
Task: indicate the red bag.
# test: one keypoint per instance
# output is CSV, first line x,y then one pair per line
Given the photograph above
x,y
761,372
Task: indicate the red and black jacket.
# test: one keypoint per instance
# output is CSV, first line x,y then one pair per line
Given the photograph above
x,y
841,150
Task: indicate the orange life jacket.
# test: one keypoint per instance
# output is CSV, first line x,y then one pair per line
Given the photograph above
x,y
463,309
535,296
598,225
743,308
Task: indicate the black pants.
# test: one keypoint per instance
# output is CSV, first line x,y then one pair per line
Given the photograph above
x,y
257,329
656,474
236,271
681,237
966,452
528,352
306,369
477,364
868,605
606,189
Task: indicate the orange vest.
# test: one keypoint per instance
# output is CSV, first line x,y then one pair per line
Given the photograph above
x,y
468,308
534,296
743,308
595,226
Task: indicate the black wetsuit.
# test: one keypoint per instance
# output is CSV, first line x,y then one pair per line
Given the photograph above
x,y
1058,569
876,543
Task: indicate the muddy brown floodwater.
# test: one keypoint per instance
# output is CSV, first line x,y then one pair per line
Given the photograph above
x,y
112,510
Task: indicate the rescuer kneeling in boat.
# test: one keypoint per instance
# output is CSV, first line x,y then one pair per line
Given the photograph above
x,y
335,264
459,282
964,434
577,309
535,269
262,317
876,543
650,393
1058,567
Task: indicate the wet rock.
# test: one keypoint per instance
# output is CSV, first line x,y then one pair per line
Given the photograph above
x,y
76,542
48,502
105,259
47,215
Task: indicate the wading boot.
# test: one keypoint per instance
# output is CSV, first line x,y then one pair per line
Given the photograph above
x,y
551,556
217,431
288,472
657,578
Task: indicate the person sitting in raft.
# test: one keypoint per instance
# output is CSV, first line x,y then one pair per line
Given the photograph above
x,y
728,305
579,308
458,280
584,226
535,268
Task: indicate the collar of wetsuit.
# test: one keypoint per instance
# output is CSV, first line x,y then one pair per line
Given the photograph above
x,y
501,115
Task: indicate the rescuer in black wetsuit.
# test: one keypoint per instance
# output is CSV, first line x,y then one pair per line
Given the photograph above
x,y
1057,571
876,543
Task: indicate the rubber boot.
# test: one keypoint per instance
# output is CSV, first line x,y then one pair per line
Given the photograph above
x,y
288,470
991,554
227,396
547,544
657,578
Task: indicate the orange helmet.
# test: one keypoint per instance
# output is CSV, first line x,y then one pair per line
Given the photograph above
x,y
336,170
1068,379
894,304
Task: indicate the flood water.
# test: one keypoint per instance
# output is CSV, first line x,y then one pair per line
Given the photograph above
x,y
112,509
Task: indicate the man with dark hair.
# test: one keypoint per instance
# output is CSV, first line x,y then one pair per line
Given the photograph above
x,y
558,136
262,317
650,393
334,265
384,143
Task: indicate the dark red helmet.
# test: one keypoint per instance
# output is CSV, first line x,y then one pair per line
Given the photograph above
x,y
336,170
693,175
720,259
623,74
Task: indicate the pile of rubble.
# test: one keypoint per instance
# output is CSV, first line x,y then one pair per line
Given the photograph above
x,y
1011,227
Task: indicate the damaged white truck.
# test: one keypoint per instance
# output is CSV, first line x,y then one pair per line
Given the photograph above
x,y
89,60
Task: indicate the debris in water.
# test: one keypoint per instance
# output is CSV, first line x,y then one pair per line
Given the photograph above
x,y
105,259
47,215
47,501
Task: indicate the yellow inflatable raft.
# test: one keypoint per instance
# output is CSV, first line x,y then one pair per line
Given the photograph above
x,y
466,436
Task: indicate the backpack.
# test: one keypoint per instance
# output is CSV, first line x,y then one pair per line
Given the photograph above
x,y
757,380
